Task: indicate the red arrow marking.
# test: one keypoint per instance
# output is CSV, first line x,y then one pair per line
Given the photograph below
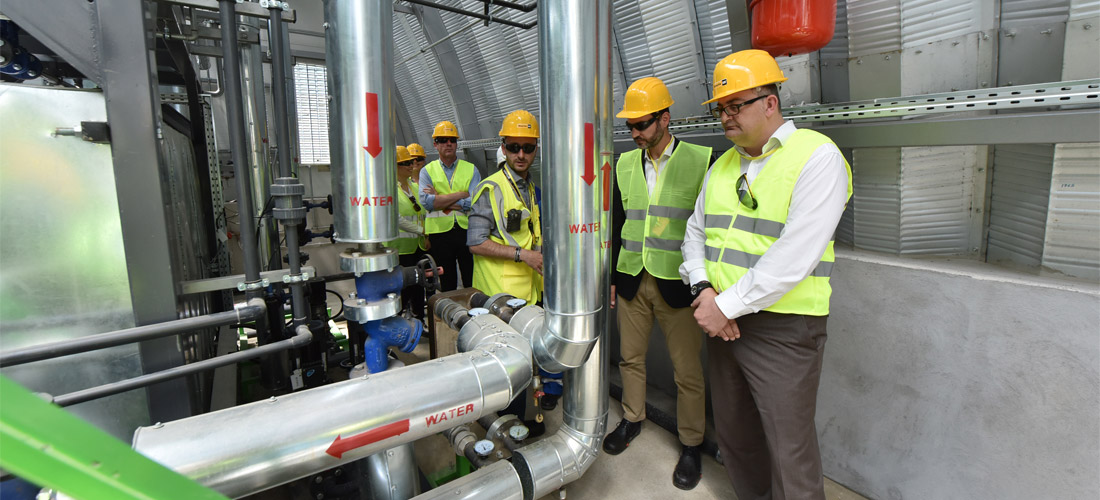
x,y
606,186
589,171
373,147
341,446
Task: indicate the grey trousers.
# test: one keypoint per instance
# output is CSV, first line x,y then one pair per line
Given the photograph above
x,y
764,396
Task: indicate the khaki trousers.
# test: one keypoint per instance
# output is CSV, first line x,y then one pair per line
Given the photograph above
x,y
685,341
764,397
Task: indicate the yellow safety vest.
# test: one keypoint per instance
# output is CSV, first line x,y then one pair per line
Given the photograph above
x,y
494,275
407,243
438,221
737,237
653,231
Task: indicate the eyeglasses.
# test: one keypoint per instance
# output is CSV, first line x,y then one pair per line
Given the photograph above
x,y
744,192
733,109
515,147
404,163
441,140
640,126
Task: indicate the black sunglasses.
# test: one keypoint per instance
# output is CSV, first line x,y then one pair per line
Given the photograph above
x,y
640,126
404,163
515,147
744,192
733,109
441,140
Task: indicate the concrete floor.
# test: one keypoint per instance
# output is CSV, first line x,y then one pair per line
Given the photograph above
x,y
643,471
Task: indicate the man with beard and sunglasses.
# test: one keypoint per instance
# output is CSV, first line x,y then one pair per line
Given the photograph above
x,y
505,233
758,252
656,186
445,186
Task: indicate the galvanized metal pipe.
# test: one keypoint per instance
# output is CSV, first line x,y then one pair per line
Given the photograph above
x,y
572,194
303,336
557,460
359,57
235,111
497,481
292,436
255,308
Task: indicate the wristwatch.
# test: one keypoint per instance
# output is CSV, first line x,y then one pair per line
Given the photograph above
x,y
698,288
518,250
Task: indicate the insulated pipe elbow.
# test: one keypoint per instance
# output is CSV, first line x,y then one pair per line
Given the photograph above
x,y
549,464
553,352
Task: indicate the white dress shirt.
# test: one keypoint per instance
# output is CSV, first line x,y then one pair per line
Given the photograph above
x,y
654,168
817,203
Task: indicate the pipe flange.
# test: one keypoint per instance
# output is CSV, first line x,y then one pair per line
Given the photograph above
x,y
494,430
255,285
296,278
354,261
361,311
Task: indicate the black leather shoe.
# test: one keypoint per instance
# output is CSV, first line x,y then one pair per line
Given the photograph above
x,y
689,470
548,401
621,437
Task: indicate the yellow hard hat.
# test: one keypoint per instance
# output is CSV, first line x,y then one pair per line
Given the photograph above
x,y
403,154
520,123
646,96
744,70
445,129
416,150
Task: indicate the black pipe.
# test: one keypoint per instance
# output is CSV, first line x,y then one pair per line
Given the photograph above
x,y
512,5
448,8
302,337
249,312
235,110
275,27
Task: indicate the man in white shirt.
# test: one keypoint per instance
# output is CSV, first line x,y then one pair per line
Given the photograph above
x,y
758,253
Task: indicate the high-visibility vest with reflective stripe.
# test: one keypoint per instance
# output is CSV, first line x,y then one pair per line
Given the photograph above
x,y
495,275
438,221
737,237
654,230
407,243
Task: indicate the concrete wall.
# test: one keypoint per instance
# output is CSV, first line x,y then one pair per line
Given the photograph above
x,y
958,380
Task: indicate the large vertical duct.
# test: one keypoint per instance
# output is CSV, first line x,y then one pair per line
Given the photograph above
x,y
575,74
571,188
359,57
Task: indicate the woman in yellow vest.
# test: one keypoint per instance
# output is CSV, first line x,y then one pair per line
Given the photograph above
x,y
411,242
758,251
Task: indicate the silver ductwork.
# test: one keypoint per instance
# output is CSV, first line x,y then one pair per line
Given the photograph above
x,y
359,57
572,194
576,100
253,447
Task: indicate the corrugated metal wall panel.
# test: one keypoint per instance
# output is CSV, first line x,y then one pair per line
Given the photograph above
x,y
937,191
311,98
424,92
1072,243
875,207
924,21
632,40
874,26
474,71
714,32
838,46
1023,12
1081,9
1018,203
